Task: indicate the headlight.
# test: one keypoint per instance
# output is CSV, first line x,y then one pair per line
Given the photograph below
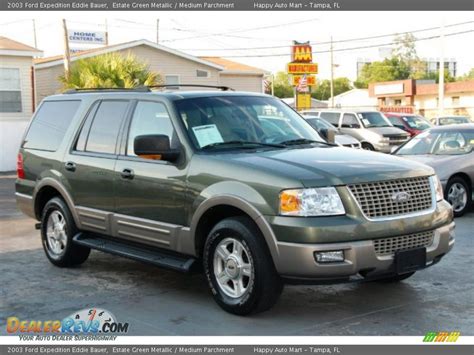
x,y
324,201
384,140
438,187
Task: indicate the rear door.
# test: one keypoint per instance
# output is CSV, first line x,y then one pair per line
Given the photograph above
x,y
89,165
150,193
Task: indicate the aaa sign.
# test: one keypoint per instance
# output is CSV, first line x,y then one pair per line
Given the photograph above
x,y
302,68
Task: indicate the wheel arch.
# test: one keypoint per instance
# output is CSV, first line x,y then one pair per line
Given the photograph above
x,y
48,188
217,208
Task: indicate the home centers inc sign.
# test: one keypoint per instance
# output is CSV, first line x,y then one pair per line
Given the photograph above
x,y
300,70
91,37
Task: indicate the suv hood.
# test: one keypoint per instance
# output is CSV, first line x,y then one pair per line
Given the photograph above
x,y
388,131
328,166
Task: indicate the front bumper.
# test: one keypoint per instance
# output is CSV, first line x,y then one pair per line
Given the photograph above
x,y
296,261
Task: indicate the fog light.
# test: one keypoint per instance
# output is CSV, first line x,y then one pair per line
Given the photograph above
x,y
335,256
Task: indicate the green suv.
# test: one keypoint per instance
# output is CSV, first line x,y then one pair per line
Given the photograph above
x,y
237,183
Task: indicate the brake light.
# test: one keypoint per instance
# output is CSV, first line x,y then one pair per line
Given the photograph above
x,y
20,171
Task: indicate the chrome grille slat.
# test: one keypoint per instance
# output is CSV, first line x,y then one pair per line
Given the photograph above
x,y
389,246
375,198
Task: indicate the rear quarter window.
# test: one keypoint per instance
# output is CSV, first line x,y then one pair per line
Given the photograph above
x,y
49,125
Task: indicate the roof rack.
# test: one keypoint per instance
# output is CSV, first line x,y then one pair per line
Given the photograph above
x,y
220,87
81,90
147,88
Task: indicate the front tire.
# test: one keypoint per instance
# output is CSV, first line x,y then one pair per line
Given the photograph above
x,y
239,267
458,194
57,230
368,146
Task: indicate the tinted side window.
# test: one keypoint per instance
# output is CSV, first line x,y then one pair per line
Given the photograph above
x,y
350,121
106,126
50,124
331,117
150,118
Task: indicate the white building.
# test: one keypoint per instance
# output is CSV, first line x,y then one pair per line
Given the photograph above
x,y
17,101
355,99
175,67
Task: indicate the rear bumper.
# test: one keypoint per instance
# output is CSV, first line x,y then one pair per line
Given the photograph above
x,y
297,261
25,204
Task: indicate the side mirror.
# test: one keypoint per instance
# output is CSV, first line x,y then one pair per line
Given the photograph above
x,y
155,146
324,133
328,134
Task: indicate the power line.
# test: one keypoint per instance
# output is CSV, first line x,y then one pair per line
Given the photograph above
x,y
338,41
348,49
242,30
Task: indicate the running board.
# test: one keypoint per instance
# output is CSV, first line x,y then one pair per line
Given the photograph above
x,y
145,254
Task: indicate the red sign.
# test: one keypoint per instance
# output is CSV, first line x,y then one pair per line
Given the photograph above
x,y
398,109
301,53
302,68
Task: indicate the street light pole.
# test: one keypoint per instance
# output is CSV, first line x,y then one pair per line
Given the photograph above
x,y
157,31
441,75
332,76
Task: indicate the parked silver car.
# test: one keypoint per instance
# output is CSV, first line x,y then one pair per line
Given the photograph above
x,y
371,128
450,151
323,127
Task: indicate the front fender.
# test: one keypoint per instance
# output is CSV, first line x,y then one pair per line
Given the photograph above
x,y
242,197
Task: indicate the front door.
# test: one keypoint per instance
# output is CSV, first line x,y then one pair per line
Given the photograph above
x,y
150,193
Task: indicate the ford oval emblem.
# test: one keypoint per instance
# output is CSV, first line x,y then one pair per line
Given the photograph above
x,y
401,196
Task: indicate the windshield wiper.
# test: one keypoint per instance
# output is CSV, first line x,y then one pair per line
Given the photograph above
x,y
243,144
304,141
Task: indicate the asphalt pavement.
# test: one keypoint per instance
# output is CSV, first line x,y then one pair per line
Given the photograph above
x,y
160,302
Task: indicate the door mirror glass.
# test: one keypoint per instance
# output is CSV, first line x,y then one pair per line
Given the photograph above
x,y
155,146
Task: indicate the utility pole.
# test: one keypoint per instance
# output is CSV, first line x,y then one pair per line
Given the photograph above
x,y
67,55
332,76
441,75
106,33
34,33
157,31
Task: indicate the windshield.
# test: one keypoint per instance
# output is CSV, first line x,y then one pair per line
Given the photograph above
x,y
453,120
439,143
374,119
416,122
226,121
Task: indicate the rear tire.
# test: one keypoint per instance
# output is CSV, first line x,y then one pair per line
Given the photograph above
x,y
239,268
57,230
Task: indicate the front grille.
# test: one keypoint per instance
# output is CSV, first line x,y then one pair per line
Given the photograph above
x,y
396,139
379,199
389,246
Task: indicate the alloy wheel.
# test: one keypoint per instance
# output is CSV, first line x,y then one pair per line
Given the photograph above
x,y
457,197
56,233
233,267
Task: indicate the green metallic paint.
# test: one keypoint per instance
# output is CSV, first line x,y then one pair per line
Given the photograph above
x,y
178,193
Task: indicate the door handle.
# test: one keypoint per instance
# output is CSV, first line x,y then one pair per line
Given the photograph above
x,y
127,174
70,165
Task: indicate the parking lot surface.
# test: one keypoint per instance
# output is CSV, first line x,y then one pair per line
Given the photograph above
x,y
161,302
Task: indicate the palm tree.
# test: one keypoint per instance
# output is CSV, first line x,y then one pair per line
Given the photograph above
x,y
112,70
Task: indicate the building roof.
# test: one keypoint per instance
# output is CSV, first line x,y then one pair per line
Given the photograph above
x,y
231,66
14,48
58,59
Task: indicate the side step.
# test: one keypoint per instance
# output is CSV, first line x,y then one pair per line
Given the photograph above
x,y
145,254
